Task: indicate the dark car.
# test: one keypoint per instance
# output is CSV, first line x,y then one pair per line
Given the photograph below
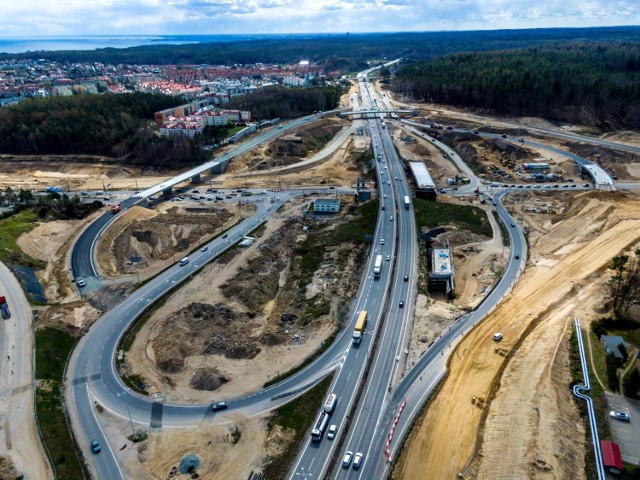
x,y
401,303
517,257
195,191
225,235
219,198
504,136
95,446
406,278
219,406
229,196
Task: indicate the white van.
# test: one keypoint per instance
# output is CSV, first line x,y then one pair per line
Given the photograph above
x,y
184,261
330,404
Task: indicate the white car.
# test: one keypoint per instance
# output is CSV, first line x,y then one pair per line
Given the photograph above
x,y
346,460
497,337
357,460
388,258
80,283
204,249
184,261
331,433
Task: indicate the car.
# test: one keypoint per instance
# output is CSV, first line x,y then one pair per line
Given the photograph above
x,y
537,186
219,406
497,337
513,225
517,257
527,186
204,249
521,140
388,257
573,185
80,283
556,186
331,433
357,460
406,278
184,261
280,126
622,416
195,191
586,185
385,167
475,132
520,186
382,241
346,460
384,196
332,188
449,128
229,196
219,198
504,136
401,304
494,204
382,207
391,218
95,446
99,192
239,190
565,186
107,198
388,182
225,235
83,193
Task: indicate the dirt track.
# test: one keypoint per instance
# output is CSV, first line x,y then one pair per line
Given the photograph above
x,y
565,253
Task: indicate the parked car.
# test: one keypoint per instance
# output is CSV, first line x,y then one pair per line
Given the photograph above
x,y
219,406
622,416
95,446
346,460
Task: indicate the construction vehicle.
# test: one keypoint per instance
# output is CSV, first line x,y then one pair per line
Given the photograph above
x,y
4,308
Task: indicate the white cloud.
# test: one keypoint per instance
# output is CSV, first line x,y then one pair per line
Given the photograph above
x,y
99,17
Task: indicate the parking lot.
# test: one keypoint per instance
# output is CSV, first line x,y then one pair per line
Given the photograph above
x,y
626,434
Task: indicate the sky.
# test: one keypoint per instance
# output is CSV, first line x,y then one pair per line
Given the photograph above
x,y
174,17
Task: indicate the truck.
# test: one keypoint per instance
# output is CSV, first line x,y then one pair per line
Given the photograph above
x,y
361,323
320,426
377,267
4,308
115,209
407,202
330,404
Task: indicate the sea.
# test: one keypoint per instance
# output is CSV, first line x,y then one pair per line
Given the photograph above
x,y
52,43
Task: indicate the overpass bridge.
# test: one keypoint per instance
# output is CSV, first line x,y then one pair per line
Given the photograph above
x,y
375,113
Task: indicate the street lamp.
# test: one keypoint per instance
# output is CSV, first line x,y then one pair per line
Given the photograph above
x,y
126,402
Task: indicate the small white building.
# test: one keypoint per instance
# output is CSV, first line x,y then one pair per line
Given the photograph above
x,y
327,205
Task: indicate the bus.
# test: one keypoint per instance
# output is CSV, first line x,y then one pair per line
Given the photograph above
x,y
361,323
407,203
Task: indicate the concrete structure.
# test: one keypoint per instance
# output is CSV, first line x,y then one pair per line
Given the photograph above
x,y
246,242
441,274
611,457
600,178
326,205
425,187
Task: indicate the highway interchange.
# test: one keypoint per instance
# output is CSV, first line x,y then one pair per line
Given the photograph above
x,y
364,416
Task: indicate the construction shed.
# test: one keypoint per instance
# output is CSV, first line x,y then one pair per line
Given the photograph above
x,y
611,458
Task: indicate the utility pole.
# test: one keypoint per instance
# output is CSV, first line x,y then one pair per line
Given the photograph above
x,y
126,402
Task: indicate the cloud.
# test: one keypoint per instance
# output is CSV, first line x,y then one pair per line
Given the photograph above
x,y
99,17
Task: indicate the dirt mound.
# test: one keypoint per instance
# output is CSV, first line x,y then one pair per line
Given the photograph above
x,y
614,161
203,329
141,239
208,379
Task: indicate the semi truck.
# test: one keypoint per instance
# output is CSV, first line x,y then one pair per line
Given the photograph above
x,y
361,323
320,426
377,267
4,308
330,404
407,203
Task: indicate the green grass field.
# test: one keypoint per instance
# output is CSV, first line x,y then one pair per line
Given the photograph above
x,y
10,229
435,214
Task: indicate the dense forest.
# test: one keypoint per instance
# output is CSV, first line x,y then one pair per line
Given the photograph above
x,y
283,102
582,83
346,52
111,125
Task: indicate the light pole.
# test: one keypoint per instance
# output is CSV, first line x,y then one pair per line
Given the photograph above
x,y
126,402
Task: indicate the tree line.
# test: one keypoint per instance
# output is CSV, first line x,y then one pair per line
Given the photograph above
x,y
284,102
594,84
344,52
119,126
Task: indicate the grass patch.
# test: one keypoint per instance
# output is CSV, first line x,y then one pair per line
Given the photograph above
x,y
297,415
10,229
355,230
435,214
503,230
52,350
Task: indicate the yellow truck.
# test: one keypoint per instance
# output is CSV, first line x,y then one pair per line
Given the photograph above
x,y
361,323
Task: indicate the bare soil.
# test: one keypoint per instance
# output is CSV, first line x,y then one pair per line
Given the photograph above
x,y
522,403
145,241
254,320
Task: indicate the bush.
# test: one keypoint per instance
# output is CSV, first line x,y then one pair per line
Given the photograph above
x,y
631,384
612,373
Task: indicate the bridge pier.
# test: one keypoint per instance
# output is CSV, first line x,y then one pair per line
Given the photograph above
x,y
167,192
196,179
221,167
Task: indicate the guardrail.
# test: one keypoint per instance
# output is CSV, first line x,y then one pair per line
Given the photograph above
x,y
577,391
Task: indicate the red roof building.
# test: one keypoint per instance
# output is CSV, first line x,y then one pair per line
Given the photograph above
x,y
611,457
